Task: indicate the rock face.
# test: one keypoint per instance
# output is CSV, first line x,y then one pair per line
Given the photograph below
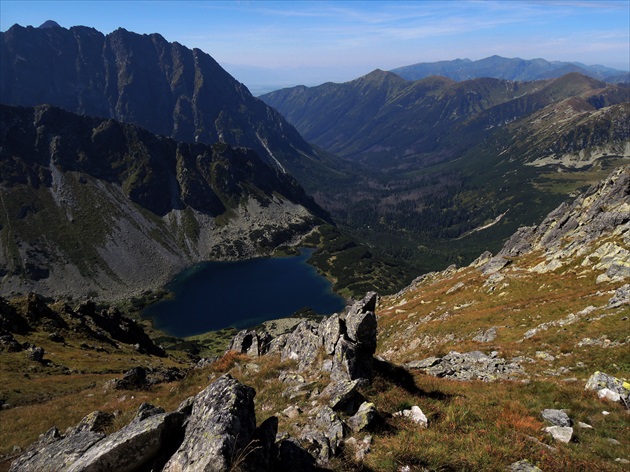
x,y
567,231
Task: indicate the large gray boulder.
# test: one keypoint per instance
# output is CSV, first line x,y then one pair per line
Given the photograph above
x,y
139,444
557,417
57,456
219,430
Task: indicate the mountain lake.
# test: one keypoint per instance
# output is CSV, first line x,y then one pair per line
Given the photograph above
x,y
214,295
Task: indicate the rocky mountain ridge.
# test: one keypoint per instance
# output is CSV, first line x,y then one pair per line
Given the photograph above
x,y
144,80
381,114
95,206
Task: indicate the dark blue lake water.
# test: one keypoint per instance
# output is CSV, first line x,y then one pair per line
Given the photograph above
x,y
215,295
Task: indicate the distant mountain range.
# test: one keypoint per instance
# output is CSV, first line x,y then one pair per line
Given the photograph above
x,y
509,69
441,159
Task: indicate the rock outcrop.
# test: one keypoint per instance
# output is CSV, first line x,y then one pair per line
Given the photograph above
x,y
221,424
568,231
214,431
609,387
469,366
107,326
346,341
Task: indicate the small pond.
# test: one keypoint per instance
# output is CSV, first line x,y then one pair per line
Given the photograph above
x,y
215,295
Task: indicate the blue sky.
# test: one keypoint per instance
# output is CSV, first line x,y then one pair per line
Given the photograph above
x,y
283,43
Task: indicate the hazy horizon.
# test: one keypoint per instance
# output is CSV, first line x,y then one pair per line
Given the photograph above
x,y
275,44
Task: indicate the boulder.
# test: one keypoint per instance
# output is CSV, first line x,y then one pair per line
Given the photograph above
x,y
364,418
134,379
415,414
557,417
139,444
560,433
343,395
221,426
351,362
494,265
57,456
97,422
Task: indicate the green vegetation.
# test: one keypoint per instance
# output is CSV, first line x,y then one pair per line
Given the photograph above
x,y
354,268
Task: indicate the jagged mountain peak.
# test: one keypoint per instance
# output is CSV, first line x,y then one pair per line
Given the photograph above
x,y
144,80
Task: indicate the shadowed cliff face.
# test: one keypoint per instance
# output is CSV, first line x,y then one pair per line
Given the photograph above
x,y
158,173
145,80
91,204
